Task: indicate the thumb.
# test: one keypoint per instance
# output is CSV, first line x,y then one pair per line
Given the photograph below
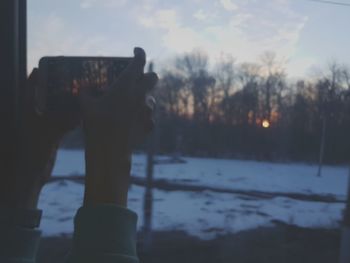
x,y
133,71
32,84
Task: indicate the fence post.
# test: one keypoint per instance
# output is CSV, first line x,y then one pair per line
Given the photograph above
x,y
148,198
323,140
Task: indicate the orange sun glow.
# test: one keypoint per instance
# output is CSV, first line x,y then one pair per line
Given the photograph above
x,y
265,124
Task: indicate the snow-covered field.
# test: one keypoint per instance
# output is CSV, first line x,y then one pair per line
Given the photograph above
x,y
207,214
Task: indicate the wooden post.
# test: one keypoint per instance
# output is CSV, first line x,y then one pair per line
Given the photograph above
x,y
323,140
148,198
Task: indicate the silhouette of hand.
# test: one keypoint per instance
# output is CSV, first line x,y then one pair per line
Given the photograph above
x,y
38,140
112,124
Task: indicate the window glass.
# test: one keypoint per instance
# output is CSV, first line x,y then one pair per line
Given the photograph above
x,y
251,145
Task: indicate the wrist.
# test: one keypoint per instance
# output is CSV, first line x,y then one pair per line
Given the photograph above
x,y
20,217
107,177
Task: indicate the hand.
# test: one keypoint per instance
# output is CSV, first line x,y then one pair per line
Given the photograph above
x,y
109,124
38,140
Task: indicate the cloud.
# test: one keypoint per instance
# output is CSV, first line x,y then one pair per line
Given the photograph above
x,y
298,67
54,37
245,35
165,28
202,15
85,4
229,5
165,18
174,36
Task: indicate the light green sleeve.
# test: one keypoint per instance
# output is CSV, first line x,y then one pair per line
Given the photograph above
x,y
18,244
104,234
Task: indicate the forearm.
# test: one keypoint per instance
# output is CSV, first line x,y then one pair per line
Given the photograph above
x,y
19,216
104,229
107,173
19,222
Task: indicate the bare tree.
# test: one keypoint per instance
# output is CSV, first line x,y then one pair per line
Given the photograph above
x,y
194,68
273,86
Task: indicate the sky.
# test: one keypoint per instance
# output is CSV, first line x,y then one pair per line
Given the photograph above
x,y
305,34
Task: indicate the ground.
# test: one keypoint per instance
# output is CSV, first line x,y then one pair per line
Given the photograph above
x,y
206,214
279,244
213,226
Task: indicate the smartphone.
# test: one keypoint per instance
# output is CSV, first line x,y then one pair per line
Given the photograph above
x,y
61,79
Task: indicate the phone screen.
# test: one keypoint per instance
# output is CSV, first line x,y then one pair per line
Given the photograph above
x,y
65,77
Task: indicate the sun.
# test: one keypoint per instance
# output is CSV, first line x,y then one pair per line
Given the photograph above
x,y
266,124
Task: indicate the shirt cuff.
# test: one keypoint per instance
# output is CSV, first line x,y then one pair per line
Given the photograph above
x,y
105,231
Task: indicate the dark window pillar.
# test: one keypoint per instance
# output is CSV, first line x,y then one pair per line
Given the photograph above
x,y
12,79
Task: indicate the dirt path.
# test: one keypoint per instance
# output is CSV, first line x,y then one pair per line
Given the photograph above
x,y
175,186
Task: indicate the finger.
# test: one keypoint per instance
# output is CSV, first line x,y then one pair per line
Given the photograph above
x,y
151,102
147,118
150,80
139,62
31,86
133,71
146,84
149,125
33,77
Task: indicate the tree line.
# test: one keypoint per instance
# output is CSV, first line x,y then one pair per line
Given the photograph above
x,y
250,111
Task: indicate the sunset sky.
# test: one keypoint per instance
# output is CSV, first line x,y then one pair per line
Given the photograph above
x,y
306,34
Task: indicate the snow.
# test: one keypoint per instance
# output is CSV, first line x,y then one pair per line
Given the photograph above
x,y
207,214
